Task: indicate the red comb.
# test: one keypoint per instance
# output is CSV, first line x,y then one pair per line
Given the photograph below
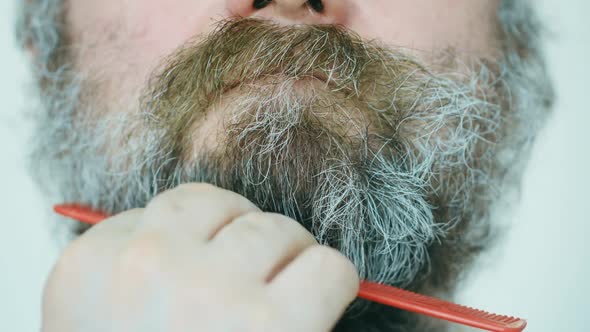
x,y
387,295
81,213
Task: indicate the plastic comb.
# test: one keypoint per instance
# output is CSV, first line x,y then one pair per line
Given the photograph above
x,y
436,308
383,294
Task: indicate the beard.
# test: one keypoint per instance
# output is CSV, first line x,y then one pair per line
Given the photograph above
x,y
394,162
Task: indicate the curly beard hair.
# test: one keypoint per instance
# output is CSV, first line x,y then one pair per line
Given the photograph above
x,y
396,163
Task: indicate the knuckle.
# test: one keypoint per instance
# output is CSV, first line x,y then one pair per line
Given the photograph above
x,y
262,220
169,197
162,202
257,223
250,230
177,199
183,197
287,224
212,193
251,220
277,220
247,226
200,187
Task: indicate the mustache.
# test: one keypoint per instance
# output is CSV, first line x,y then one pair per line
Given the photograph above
x,y
240,52
246,50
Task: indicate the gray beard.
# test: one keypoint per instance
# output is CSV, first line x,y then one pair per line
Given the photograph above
x,y
410,205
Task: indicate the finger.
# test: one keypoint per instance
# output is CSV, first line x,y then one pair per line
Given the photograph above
x,y
197,211
319,284
260,244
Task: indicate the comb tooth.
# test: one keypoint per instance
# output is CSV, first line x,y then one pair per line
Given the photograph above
x,y
498,320
503,320
494,317
491,316
477,312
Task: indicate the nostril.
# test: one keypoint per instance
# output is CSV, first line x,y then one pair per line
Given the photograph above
x,y
259,4
317,5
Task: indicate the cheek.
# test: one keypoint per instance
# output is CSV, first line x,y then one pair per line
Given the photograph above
x,y
430,25
128,39
162,26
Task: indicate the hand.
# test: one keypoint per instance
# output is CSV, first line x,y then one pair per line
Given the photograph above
x,y
198,258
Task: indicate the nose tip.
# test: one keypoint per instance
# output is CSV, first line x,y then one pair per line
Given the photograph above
x,y
291,11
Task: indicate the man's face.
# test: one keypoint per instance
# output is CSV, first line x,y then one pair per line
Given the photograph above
x,y
387,128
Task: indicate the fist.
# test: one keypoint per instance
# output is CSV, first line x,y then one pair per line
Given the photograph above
x,y
198,258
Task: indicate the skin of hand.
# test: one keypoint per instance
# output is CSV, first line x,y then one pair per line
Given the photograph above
x,y
198,258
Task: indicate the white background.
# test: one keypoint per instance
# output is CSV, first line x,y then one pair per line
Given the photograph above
x,y
538,271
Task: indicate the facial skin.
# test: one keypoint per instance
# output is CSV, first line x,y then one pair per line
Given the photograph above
x,y
387,128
